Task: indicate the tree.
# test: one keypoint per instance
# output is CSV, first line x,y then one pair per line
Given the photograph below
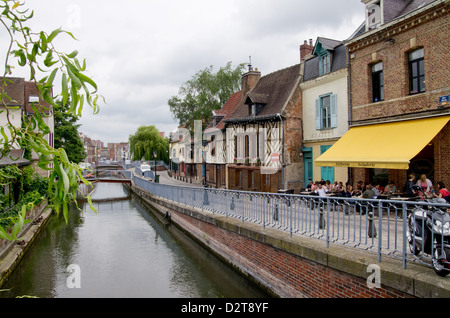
x,y
146,141
205,92
66,133
36,52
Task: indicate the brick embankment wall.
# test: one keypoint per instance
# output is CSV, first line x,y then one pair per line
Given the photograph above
x,y
297,267
11,253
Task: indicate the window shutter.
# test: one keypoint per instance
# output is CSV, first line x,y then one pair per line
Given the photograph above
x,y
333,110
318,121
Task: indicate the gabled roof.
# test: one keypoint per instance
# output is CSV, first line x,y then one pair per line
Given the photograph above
x,y
272,90
394,10
327,44
227,109
14,158
14,87
338,59
253,98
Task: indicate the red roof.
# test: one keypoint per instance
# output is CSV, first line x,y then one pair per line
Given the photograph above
x,y
227,109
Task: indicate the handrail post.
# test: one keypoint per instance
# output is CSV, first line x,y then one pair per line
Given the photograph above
x,y
404,212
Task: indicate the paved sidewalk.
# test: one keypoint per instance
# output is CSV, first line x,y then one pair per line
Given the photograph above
x,y
164,178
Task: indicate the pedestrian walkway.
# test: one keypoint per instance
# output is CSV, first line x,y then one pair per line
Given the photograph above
x,y
164,178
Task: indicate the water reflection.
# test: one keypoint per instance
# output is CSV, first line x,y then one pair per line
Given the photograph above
x,y
122,252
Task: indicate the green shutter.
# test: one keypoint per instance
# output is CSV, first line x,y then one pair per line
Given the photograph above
x,y
333,109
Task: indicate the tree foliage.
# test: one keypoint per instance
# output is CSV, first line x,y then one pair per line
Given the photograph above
x,y
146,141
66,133
205,92
47,66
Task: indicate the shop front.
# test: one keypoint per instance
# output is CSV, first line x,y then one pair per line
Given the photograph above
x,y
390,151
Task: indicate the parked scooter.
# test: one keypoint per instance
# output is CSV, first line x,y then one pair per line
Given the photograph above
x,y
428,232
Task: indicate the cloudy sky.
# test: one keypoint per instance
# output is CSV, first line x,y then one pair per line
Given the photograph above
x,y
141,51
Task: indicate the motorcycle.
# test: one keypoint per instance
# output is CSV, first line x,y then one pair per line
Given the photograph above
x,y
428,231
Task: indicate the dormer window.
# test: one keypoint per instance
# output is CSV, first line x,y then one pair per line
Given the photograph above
x,y
373,14
324,64
252,110
255,103
33,99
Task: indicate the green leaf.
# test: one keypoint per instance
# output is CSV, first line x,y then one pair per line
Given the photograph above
x,y
64,89
51,78
87,79
89,200
53,35
4,235
65,179
73,54
66,211
17,226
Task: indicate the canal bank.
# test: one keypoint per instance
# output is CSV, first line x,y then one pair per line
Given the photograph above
x,y
295,267
11,253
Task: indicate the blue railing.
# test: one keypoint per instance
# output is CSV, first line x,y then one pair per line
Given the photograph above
x,y
374,225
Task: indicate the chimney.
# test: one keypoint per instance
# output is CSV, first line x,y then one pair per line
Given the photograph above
x,y
306,48
249,81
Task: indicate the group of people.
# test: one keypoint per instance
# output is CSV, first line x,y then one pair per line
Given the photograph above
x,y
436,193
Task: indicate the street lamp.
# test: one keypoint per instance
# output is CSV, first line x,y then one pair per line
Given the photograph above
x,y
155,154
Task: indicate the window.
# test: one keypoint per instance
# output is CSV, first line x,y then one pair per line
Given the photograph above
x,y
377,82
213,146
326,112
416,72
324,64
33,99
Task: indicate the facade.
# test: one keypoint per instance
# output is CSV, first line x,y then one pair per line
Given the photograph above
x,y
216,153
325,106
119,152
89,148
264,134
399,120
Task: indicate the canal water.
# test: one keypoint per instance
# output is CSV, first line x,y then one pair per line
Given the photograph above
x,y
121,251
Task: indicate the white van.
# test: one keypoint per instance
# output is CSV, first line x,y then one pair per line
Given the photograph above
x,y
145,167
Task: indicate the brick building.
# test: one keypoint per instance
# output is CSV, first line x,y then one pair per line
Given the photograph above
x,y
399,120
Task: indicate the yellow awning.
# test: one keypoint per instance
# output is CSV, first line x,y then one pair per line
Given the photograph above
x,y
388,145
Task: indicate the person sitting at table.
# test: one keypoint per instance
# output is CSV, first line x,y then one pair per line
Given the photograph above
x,y
321,190
369,193
441,195
376,189
408,188
425,184
390,188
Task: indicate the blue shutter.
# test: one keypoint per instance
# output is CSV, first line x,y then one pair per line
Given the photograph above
x,y
333,109
318,121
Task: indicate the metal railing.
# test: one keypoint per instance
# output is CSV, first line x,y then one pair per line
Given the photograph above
x,y
375,225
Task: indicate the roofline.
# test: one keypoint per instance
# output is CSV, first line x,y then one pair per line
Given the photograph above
x,y
397,20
